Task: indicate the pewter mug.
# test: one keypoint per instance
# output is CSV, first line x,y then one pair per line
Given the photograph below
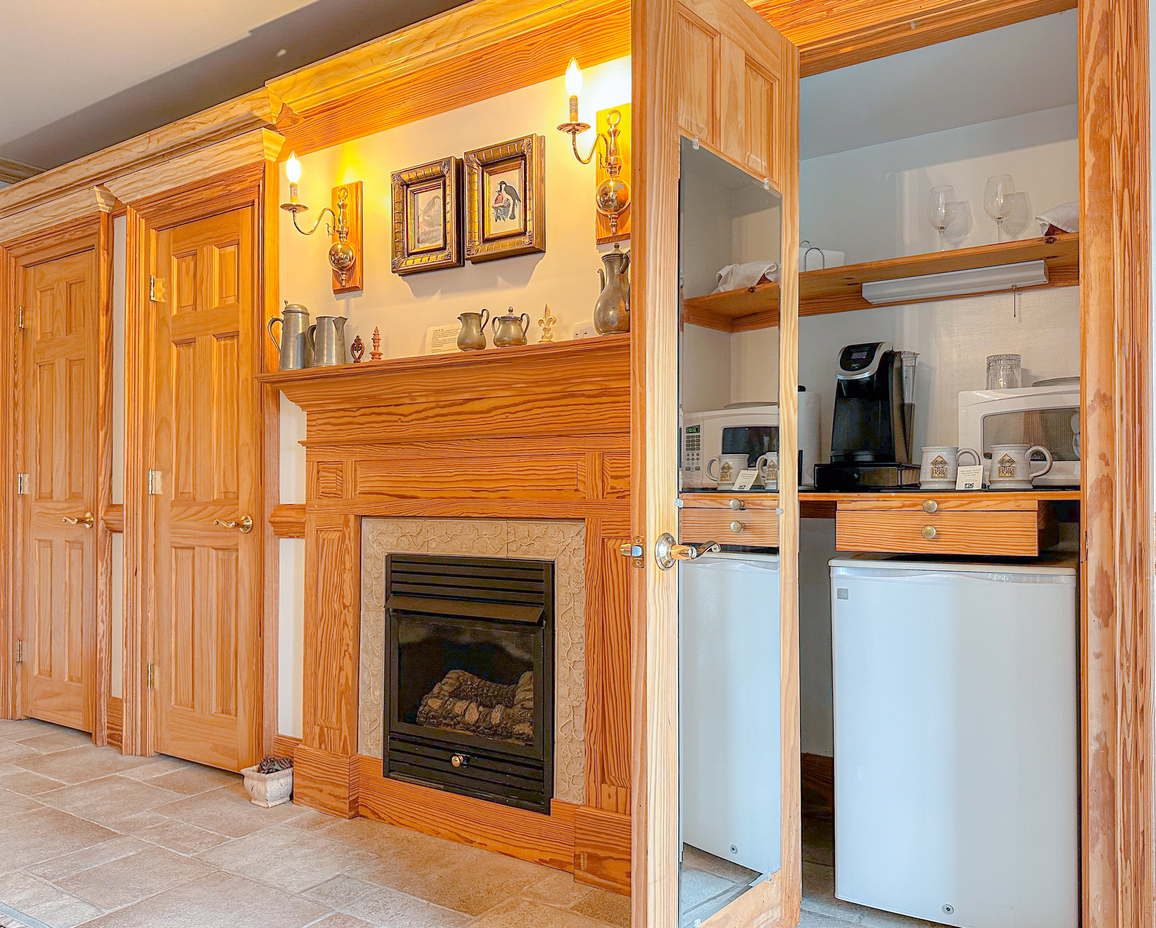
x,y
472,337
295,350
612,309
510,330
327,338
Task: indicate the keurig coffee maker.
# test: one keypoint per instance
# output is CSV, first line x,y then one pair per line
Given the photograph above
x,y
872,431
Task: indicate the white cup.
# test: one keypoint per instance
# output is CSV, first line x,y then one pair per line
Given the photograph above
x,y
940,466
768,467
728,466
1011,466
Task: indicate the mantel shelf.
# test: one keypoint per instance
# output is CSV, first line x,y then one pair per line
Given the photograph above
x,y
839,289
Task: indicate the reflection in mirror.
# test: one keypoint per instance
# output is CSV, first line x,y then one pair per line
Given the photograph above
x,y
729,696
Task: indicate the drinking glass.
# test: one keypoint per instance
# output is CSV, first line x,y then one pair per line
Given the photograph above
x,y
1017,214
997,196
938,212
958,222
1003,372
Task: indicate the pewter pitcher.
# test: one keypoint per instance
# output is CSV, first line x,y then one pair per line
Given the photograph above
x,y
327,338
510,330
472,337
612,310
294,347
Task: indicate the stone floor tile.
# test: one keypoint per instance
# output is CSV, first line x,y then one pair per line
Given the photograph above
x,y
287,858
181,837
25,728
129,879
341,920
79,765
819,898
557,888
13,803
60,740
109,800
60,868
220,900
155,767
612,908
28,783
44,834
41,900
338,892
526,913
12,752
309,820
194,779
382,906
136,822
227,811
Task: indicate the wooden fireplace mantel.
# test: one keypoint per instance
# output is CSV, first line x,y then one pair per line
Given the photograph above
x,y
531,433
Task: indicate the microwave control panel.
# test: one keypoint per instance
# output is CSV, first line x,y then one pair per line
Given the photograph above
x,y
692,443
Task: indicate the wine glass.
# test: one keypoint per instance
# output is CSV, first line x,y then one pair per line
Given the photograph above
x,y
938,213
997,197
1017,214
958,222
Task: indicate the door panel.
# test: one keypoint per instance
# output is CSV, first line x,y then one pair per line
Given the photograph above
x,y
207,575
59,454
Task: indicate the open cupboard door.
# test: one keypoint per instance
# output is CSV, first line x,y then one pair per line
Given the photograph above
x,y
712,76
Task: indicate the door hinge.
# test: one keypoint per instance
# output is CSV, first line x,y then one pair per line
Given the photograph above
x,y
19,652
21,484
20,318
152,676
156,288
154,483
152,287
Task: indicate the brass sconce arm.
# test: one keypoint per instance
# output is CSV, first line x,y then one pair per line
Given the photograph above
x,y
610,158
342,256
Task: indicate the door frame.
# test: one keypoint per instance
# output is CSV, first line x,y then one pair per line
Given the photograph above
x,y
90,232
240,187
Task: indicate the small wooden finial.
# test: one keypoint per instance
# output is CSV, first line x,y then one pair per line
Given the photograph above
x,y
357,350
375,355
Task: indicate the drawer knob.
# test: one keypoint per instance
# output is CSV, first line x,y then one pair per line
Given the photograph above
x,y
738,504
459,760
737,527
930,505
929,532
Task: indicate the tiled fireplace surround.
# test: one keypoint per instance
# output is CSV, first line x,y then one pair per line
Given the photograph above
x,y
562,542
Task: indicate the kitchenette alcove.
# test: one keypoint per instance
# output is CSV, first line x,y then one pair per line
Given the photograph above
x,y
514,459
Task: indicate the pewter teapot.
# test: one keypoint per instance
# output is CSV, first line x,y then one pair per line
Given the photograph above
x,y
327,339
472,337
294,348
612,310
510,330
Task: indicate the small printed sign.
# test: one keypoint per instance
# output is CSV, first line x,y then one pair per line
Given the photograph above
x,y
442,339
970,477
746,479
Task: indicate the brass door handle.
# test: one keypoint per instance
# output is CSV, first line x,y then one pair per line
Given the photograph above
x,y
87,521
667,551
245,525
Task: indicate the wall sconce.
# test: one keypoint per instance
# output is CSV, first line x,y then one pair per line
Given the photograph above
x,y
612,198
346,251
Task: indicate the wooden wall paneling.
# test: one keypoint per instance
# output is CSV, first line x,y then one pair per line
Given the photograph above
x,y
835,35
268,406
1116,505
287,520
114,722
285,745
104,428
332,631
654,486
9,570
326,781
444,63
602,841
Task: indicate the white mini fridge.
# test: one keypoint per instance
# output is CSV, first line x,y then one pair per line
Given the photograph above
x,y
956,753
730,753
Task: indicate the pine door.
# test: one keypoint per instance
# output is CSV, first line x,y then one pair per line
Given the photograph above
x,y
59,301
206,588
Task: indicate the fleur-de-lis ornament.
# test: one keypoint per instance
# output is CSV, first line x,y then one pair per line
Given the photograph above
x,y
547,322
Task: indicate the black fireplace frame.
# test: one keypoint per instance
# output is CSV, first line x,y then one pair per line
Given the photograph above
x,y
512,594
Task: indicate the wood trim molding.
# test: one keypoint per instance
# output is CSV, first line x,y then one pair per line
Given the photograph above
x,y
1117,505
78,205
285,745
104,428
12,172
9,692
288,520
115,725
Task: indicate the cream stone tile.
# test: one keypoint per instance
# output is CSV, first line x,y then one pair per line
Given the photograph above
x,y
45,834
82,764
193,779
226,811
60,868
341,920
140,821
339,891
466,538
12,752
155,767
108,801
129,879
181,837
25,728
60,740
383,906
602,906
557,888
220,900
371,682
28,783
526,913
13,803
44,902
288,858
310,820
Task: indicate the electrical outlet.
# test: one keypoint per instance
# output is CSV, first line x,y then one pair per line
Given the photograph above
x,y
585,329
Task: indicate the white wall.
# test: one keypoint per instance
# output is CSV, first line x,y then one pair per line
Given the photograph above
x,y
565,277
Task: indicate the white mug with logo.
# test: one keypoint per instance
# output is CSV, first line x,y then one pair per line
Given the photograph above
x,y
728,467
768,467
940,466
1011,466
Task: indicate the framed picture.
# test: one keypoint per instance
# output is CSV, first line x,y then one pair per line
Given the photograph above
x,y
427,228
506,199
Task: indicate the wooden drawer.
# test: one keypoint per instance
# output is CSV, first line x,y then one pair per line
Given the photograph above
x,y
997,533
756,527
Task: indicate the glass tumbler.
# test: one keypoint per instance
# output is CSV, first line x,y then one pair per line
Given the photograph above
x,y
1003,372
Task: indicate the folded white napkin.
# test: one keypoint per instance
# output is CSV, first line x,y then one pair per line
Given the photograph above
x,y
1066,216
738,276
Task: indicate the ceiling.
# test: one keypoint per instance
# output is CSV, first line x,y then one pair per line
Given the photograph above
x,y
77,76
1018,69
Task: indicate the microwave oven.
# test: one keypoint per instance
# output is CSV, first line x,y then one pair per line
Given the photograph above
x,y
1047,415
749,429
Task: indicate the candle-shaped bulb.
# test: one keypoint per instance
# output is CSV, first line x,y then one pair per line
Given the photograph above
x,y
293,168
573,78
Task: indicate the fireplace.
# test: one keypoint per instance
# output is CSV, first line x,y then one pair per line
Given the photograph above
x,y
469,682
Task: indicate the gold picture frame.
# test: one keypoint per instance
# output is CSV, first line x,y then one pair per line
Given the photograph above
x,y
427,228
506,199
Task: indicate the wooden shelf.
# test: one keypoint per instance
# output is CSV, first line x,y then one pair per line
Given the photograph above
x,y
839,289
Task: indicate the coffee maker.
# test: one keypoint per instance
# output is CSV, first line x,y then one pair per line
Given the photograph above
x,y
873,429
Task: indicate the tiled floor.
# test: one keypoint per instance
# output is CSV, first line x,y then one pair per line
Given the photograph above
x,y
88,837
